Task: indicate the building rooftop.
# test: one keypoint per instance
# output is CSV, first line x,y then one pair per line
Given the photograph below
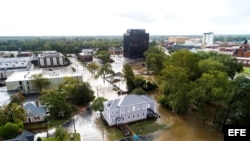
x,y
127,100
12,63
49,54
47,73
33,108
25,136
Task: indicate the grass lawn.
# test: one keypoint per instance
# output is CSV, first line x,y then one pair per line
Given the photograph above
x,y
76,138
146,126
140,127
246,70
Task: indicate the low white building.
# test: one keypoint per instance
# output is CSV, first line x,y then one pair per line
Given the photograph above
x,y
22,81
50,59
129,108
10,65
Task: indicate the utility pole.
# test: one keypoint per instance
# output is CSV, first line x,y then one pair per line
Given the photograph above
x,y
97,91
74,124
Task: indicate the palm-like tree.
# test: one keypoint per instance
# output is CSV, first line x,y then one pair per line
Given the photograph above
x,y
104,71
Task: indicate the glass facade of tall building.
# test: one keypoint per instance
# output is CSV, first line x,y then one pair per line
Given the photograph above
x,y
135,43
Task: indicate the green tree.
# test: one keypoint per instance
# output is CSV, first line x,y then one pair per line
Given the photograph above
x,y
60,133
55,101
230,64
238,102
3,116
104,56
139,91
97,104
209,88
9,130
129,77
17,98
187,60
105,70
39,81
15,112
82,94
155,59
93,67
174,84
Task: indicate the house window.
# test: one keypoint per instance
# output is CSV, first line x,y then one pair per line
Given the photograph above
x,y
138,115
129,109
123,110
128,117
133,116
143,106
143,114
37,118
27,82
112,112
133,108
112,120
123,119
116,111
138,107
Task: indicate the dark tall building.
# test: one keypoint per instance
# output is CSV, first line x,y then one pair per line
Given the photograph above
x,y
135,43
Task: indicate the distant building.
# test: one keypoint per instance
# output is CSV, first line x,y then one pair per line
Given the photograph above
x,y
208,38
116,51
24,54
22,81
51,59
177,40
128,108
135,43
178,47
86,55
10,65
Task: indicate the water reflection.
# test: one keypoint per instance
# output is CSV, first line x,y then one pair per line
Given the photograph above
x,y
4,96
185,128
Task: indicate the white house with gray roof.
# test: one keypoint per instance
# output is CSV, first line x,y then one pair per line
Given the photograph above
x,y
34,112
128,108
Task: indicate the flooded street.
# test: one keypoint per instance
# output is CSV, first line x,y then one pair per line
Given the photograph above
x,y
4,96
185,128
86,126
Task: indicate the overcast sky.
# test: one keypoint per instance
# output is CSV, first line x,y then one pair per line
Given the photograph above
x,y
114,17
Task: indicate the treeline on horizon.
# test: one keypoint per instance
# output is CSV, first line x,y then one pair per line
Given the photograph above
x,y
74,44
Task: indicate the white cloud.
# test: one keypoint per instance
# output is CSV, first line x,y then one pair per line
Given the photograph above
x,y
113,17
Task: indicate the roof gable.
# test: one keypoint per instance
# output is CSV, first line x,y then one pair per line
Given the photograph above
x,y
32,108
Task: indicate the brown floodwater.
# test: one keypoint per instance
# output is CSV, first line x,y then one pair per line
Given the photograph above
x,y
185,128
